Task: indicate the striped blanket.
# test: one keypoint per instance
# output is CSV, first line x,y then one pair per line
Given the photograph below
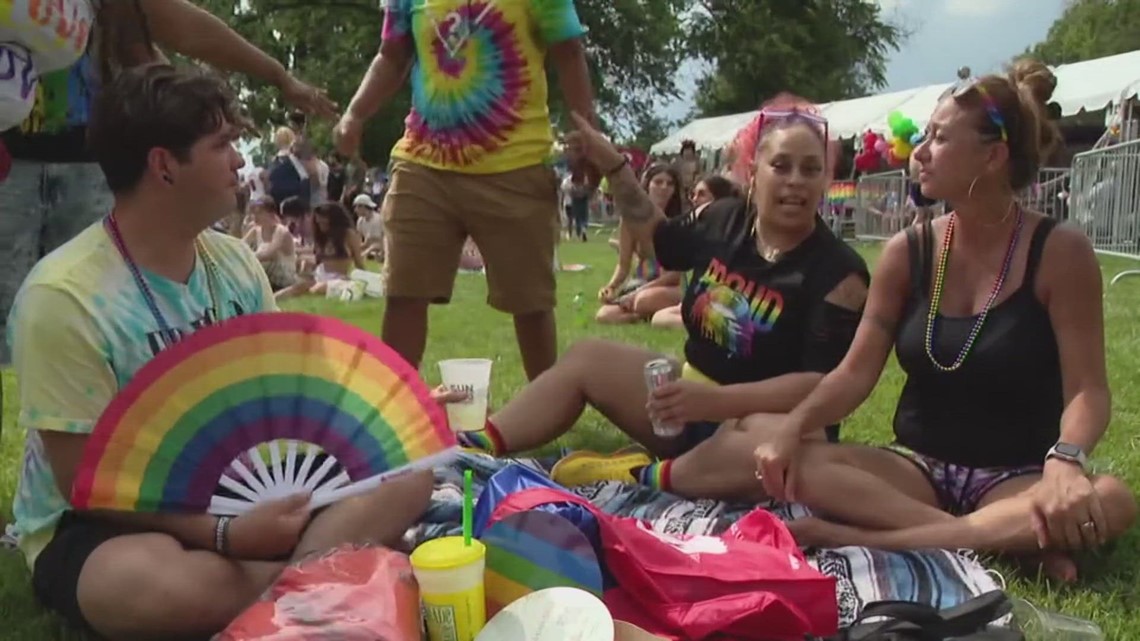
x,y
939,578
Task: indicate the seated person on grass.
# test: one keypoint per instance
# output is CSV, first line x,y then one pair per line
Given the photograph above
x,y
707,191
996,315
772,307
96,310
336,252
652,289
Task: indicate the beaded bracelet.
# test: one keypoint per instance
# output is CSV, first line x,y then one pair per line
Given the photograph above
x,y
221,535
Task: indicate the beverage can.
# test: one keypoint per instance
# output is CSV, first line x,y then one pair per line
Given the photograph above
x,y
658,372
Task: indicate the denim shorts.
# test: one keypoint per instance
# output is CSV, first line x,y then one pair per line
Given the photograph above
x,y
42,206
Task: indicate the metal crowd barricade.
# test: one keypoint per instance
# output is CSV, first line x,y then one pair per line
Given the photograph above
x,y
881,208
1049,193
1104,200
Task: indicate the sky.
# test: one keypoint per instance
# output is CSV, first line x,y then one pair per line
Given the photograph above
x,y
945,35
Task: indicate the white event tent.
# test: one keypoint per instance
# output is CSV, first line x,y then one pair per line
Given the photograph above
x,y
1085,86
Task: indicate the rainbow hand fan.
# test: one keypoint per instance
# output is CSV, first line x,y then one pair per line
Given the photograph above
x,y
260,407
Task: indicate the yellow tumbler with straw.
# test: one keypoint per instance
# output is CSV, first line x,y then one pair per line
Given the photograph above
x,y
450,573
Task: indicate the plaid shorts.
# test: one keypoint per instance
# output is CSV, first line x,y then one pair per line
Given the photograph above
x,y
961,489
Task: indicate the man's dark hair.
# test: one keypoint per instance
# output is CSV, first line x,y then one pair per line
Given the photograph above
x,y
155,106
294,207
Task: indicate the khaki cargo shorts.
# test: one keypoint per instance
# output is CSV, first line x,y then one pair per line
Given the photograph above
x,y
512,216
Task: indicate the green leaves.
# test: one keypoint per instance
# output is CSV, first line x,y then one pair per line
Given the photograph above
x,y
634,49
820,49
1091,29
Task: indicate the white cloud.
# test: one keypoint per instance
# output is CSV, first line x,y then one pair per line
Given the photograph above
x,y
967,8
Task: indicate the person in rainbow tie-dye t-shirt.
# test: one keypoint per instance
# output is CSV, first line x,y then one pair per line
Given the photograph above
x,y
92,314
475,156
50,189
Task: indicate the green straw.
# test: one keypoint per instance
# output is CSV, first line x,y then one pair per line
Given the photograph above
x,y
468,504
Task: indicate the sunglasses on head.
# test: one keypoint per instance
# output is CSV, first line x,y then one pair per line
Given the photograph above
x,y
767,116
964,87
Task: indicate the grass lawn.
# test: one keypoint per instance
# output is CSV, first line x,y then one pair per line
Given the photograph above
x,y
469,328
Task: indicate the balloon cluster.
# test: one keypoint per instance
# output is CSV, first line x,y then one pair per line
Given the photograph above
x,y
905,136
871,156
894,150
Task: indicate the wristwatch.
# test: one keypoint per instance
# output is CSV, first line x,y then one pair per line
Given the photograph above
x,y
1068,452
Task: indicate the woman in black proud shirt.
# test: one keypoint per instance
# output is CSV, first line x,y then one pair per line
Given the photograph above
x,y
772,306
997,319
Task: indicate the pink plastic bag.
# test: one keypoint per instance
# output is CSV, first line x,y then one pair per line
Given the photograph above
x,y
751,583
350,594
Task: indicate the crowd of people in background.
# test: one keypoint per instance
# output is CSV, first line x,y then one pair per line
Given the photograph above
x,y
785,332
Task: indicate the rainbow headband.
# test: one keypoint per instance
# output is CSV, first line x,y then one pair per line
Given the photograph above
x,y
988,103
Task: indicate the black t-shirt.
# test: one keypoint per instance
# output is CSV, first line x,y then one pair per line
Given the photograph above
x,y
748,319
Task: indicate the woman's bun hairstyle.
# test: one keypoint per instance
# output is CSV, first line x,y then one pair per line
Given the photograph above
x,y
1039,135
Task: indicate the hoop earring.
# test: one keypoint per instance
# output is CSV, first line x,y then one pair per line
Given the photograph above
x,y
973,183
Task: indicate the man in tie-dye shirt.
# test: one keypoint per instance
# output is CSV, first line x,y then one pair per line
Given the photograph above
x,y
53,189
95,311
475,156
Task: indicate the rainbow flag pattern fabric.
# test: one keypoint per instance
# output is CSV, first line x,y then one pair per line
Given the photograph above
x,y
840,192
479,88
534,550
265,405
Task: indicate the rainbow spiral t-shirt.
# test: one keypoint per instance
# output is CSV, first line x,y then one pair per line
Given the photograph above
x,y
479,91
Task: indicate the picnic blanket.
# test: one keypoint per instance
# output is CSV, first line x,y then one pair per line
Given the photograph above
x,y
937,577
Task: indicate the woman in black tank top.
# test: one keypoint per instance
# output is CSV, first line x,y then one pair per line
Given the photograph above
x,y
996,317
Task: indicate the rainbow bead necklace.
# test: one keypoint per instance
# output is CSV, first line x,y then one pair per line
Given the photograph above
x,y
212,274
940,280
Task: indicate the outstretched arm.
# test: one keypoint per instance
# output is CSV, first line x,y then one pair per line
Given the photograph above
x,y
383,80
197,33
569,61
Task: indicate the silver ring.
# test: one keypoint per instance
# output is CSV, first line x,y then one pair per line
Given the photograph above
x,y
1089,525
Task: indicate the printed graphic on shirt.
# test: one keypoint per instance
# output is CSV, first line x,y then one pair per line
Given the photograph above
x,y
478,80
160,340
62,100
730,309
54,35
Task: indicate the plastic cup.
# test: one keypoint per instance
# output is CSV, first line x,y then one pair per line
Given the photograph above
x,y
1042,625
450,575
471,375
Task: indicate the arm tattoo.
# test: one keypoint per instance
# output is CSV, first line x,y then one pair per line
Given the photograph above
x,y
630,200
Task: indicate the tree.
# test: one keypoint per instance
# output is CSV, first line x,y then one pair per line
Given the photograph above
x,y
822,50
634,48
1091,29
649,129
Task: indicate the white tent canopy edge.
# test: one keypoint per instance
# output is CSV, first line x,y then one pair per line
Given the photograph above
x,y
1089,85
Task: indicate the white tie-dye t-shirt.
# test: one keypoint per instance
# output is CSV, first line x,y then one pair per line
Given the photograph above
x,y
80,329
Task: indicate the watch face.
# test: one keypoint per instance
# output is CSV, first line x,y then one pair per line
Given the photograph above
x,y
1068,450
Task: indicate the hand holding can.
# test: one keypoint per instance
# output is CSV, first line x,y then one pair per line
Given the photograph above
x,y
658,372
